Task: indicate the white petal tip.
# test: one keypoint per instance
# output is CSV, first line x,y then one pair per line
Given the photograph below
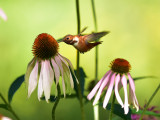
x,y
126,112
137,109
104,106
94,103
28,96
88,97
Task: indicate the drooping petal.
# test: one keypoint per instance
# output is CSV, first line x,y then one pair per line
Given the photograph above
x,y
40,83
3,15
135,102
124,83
132,96
68,71
48,78
117,80
66,77
59,63
94,90
103,85
57,73
56,70
29,70
131,82
70,65
109,91
33,79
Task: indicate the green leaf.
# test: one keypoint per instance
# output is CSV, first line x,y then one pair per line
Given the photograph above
x,y
118,111
146,113
81,79
4,106
14,87
141,77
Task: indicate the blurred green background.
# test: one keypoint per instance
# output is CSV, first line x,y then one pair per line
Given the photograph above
x,y
134,35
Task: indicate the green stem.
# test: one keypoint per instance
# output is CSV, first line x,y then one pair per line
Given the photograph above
x,y
95,108
9,107
78,61
94,15
78,17
112,107
96,50
56,102
155,92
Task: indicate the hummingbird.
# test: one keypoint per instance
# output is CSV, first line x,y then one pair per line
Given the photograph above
x,y
84,43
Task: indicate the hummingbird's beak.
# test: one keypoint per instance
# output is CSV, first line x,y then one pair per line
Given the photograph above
x,y
60,40
72,42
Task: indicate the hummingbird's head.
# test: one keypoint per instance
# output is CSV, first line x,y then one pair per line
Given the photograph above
x,y
68,39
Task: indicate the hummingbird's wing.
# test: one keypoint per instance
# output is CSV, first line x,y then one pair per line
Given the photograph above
x,y
95,36
82,30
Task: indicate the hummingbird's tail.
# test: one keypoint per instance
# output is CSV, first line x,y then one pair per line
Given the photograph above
x,y
91,45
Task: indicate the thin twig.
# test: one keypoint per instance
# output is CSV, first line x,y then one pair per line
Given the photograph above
x,y
56,102
9,107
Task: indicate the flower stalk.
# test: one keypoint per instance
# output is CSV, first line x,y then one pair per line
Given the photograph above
x,y
78,61
151,98
9,107
112,107
56,102
95,108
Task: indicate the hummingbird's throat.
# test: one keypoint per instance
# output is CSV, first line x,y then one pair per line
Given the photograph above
x,y
75,41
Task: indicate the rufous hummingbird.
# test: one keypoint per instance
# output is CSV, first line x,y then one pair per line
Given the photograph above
x,y
84,43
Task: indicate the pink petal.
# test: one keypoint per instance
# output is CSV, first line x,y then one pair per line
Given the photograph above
x,y
3,15
124,83
57,73
29,70
94,90
59,63
70,65
132,95
109,91
48,78
40,83
56,70
33,80
131,82
103,85
116,90
135,102
68,70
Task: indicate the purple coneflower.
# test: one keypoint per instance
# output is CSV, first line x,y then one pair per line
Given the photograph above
x,y
3,15
119,70
47,66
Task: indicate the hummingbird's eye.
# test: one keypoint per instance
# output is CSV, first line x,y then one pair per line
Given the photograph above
x,y
67,38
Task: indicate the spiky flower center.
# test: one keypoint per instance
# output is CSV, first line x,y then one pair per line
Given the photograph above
x,y
45,46
120,65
